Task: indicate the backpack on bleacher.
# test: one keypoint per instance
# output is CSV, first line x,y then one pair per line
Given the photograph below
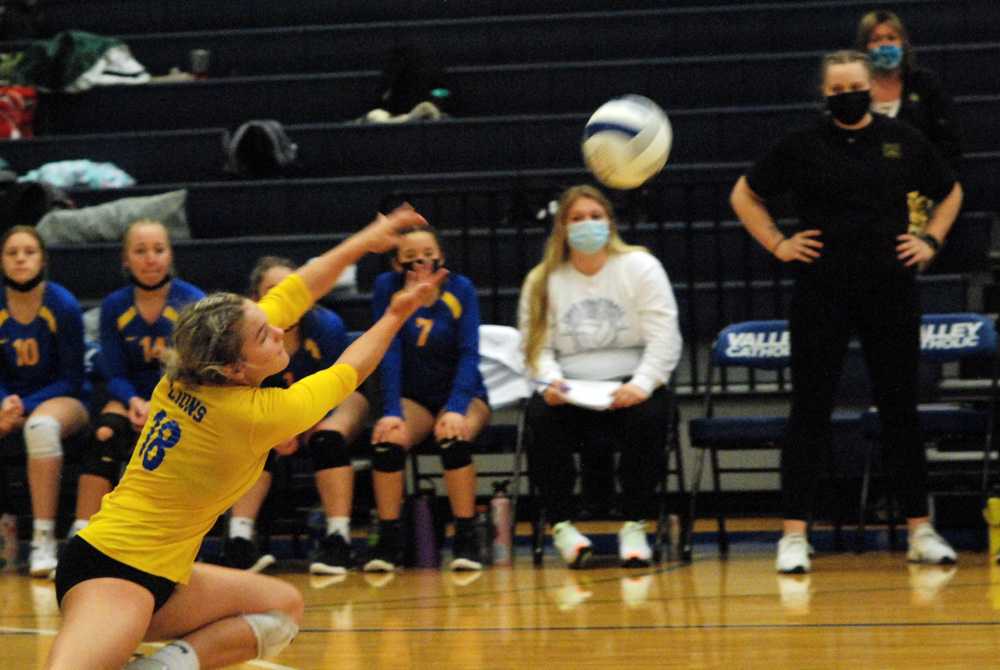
x,y
259,148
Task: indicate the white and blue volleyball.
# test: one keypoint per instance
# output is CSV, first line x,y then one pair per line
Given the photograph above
x,y
627,141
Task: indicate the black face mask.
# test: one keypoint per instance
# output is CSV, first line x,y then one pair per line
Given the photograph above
x,y
150,287
849,108
410,266
24,287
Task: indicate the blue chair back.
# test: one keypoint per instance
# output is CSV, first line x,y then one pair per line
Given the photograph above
x,y
950,337
755,344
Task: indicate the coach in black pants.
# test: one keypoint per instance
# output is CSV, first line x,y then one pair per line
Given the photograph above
x,y
849,176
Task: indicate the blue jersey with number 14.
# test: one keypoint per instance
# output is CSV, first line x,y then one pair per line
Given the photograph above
x,y
131,346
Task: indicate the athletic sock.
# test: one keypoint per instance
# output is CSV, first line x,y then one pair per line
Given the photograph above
x,y
340,525
178,655
241,526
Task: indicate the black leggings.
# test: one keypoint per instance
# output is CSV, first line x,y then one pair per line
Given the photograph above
x,y
556,432
885,313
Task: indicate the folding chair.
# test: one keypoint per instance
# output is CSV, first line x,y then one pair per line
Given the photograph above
x,y
759,353
501,365
961,421
662,541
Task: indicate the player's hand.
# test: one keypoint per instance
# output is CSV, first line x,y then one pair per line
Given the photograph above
x,y
553,393
288,447
802,246
408,300
452,426
391,429
12,406
383,233
628,395
912,250
138,412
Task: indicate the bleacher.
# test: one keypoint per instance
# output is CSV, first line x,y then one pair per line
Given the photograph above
x,y
525,75
733,78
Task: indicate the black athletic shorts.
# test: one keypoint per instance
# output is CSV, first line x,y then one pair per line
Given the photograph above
x,y
80,561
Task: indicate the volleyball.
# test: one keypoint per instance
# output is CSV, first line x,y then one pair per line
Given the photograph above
x,y
627,141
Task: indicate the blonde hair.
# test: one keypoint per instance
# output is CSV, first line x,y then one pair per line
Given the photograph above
x,y
127,238
843,57
555,254
871,20
207,339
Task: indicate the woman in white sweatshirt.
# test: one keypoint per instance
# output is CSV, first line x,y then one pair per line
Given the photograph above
x,y
596,308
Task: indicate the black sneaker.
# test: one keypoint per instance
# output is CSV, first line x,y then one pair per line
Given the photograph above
x,y
331,557
242,554
465,553
387,554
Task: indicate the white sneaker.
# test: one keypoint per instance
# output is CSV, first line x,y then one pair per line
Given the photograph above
x,y
793,554
926,546
633,547
42,561
574,546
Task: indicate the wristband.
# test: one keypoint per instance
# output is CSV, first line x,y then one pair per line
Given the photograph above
x,y
932,242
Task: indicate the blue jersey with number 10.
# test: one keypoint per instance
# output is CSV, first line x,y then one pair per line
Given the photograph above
x,y
43,358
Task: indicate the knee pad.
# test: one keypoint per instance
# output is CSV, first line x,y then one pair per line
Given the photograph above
x,y
274,631
104,456
41,437
388,457
328,449
455,454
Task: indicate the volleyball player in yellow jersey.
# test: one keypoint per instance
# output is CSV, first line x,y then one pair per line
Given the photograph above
x,y
131,574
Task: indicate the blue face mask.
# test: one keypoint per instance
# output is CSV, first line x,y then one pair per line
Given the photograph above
x,y
588,236
886,57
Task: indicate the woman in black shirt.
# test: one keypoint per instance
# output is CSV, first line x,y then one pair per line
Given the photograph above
x,y
849,176
903,90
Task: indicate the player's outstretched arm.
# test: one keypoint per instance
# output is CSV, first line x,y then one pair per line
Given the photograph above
x,y
365,352
321,273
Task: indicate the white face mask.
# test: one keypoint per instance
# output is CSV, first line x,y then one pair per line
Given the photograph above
x,y
588,236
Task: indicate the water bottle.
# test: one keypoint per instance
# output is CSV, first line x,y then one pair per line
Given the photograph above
x,y
8,542
426,554
484,534
500,513
316,523
373,528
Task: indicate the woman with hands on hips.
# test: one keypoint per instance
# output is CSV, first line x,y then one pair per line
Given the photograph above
x,y
849,176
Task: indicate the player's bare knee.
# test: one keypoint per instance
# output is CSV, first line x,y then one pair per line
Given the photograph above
x,y
289,600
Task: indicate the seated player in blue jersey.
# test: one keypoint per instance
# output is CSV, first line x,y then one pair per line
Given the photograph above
x,y
41,354
430,385
131,574
136,324
313,344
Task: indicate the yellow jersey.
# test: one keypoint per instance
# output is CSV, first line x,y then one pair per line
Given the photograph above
x,y
202,448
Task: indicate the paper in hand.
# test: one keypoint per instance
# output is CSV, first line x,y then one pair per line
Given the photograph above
x,y
590,394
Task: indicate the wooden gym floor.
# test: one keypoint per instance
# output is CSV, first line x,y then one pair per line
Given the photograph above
x,y
853,611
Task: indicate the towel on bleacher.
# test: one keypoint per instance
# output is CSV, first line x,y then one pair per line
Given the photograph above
x,y
108,222
501,362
